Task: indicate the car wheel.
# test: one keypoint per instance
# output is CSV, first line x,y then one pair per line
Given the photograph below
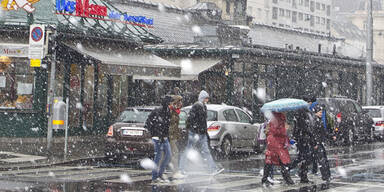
x,y
259,148
226,146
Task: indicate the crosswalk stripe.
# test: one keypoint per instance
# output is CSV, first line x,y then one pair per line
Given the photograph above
x,y
231,184
27,171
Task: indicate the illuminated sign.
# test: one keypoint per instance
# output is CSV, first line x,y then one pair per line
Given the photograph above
x,y
82,8
27,5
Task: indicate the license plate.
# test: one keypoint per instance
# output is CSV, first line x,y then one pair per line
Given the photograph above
x,y
133,132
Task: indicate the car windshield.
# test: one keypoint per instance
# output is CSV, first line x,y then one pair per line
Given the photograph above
x,y
134,116
374,113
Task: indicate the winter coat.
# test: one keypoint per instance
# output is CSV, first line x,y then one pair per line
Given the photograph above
x,y
277,141
159,120
197,119
303,127
319,132
175,133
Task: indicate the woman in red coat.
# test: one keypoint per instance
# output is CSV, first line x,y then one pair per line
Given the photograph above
x,y
277,149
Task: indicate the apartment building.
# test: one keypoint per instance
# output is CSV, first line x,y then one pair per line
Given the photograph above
x,y
177,3
357,14
304,15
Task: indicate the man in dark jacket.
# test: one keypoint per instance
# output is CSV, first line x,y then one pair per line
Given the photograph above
x,y
302,134
158,123
319,137
198,133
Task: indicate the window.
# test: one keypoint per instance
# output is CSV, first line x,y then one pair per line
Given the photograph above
x,y
239,8
301,17
288,13
275,1
294,16
230,115
16,84
294,5
328,10
274,13
328,24
317,20
281,12
211,115
374,113
228,7
312,6
323,7
323,21
301,2
312,19
318,6
244,118
307,3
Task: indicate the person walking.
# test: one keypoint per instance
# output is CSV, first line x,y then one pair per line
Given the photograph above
x,y
320,135
277,149
158,123
303,136
175,135
198,133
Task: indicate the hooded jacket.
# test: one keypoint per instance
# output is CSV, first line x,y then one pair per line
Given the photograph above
x,y
159,120
197,119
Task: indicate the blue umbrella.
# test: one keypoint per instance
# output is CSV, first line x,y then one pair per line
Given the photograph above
x,y
282,105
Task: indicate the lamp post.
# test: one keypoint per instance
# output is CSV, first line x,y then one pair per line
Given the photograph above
x,y
369,53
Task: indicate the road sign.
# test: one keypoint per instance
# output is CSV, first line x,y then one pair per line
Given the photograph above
x,y
36,42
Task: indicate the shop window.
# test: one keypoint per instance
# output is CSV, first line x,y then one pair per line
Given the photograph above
x,y
16,84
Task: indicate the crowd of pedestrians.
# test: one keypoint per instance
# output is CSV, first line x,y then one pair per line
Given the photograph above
x,y
309,132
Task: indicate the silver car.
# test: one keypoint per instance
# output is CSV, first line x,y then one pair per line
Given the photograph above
x,y
377,114
232,129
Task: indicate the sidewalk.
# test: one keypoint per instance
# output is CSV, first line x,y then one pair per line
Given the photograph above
x,y
33,151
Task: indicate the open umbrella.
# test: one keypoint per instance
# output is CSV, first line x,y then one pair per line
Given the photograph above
x,y
282,105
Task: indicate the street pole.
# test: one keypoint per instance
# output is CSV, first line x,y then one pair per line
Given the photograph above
x,y
51,93
66,128
369,53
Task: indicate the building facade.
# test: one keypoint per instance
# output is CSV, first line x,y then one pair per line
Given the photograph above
x,y
312,16
357,14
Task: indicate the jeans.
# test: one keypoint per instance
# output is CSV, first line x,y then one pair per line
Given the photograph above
x,y
199,142
161,147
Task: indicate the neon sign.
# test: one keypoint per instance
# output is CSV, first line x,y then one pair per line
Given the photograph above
x,y
82,8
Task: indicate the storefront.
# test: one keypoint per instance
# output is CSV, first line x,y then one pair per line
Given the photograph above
x,y
247,77
97,50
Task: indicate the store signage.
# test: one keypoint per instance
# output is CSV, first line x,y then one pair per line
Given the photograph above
x,y
35,63
36,42
82,8
27,5
14,50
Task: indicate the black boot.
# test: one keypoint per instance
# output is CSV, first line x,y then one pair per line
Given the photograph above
x,y
286,176
267,172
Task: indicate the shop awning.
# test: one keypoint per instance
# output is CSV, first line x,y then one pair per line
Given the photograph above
x,y
122,61
190,68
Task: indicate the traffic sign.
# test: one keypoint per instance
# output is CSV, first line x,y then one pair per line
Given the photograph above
x,y
36,42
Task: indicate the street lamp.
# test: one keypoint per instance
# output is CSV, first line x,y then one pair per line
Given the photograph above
x,y
369,53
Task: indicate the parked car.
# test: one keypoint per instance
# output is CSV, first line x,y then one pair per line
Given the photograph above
x,y
231,129
128,137
351,122
377,114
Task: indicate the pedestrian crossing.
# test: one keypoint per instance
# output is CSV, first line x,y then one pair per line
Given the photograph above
x,y
139,179
193,182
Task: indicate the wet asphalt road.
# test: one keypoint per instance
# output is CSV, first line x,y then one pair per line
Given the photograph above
x,y
354,168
